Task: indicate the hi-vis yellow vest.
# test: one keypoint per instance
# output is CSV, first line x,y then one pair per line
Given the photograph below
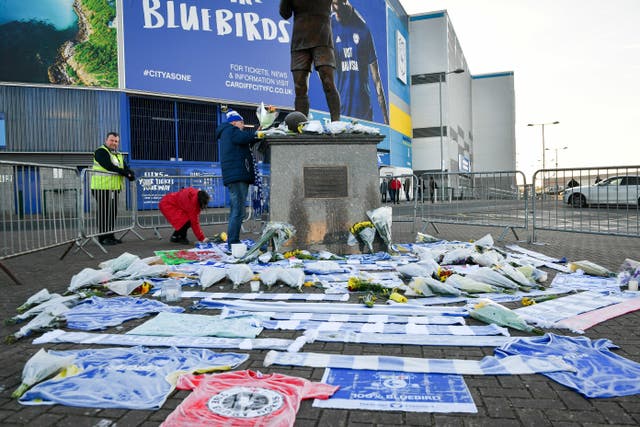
x,y
107,181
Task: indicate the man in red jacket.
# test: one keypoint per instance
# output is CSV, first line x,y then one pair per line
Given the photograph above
x,y
182,210
395,185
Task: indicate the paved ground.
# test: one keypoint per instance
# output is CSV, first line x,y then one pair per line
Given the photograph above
x,y
531,400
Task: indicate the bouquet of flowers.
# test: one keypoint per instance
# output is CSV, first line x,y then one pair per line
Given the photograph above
x,y
363,232
39,367
490,312
266,115
381,219
299,254
275,233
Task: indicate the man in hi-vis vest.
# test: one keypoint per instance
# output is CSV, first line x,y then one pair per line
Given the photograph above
x,y
105,187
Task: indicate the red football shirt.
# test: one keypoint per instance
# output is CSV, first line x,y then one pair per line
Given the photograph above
x,y
244,398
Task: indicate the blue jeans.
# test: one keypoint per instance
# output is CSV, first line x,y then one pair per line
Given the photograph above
x,y
238,196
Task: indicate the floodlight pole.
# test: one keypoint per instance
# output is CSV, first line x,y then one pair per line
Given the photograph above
x,y
542,125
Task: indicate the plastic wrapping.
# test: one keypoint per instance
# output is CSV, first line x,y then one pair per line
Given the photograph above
x,y
363,232
43,321
426,238
416,270
38,298
469,285
140,269
293,277
123,287
457,256
590,268
487,258
69,301
89,277
39,367
120,263
239,274
211,275
323,267
492,277
266,115
441,288
484,243
382,219
313,126
515,275
275,233
270,275
338,127
488,311
420,287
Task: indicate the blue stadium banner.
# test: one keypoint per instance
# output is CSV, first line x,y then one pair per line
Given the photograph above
x,y
360,42
3,141
220,49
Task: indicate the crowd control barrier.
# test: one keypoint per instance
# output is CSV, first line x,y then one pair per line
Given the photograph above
x,y
106,211
491,199
596,200
406,196
39,208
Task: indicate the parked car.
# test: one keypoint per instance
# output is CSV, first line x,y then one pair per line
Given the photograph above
x,y
554,189
617,190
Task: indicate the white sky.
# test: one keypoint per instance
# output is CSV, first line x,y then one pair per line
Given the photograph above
x,y
575,61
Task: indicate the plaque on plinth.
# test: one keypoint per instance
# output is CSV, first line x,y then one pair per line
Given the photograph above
x,y
322,185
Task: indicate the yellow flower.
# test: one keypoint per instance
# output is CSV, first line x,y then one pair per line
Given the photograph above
x,y
395,296
527,301
359,226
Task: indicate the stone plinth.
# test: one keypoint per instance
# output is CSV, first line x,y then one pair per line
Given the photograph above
x,y
323,184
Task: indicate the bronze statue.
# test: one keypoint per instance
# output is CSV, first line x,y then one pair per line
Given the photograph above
x,y
312,42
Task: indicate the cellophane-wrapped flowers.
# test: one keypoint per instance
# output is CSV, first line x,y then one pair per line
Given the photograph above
x,y
363,232
274,233
266,115
381,219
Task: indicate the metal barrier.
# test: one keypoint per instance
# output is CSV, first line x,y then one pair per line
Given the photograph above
x,y
408,192
38,208
106,211
490,199
598,200
150,193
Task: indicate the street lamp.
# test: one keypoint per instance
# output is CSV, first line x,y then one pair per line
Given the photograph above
x,y
440,79
556,150
542,125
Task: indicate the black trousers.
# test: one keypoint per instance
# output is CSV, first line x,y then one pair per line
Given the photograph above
x,y
182,232
106,211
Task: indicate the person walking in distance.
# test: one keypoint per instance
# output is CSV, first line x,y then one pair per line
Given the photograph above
x,y
407,188
109,170
433,186
383,190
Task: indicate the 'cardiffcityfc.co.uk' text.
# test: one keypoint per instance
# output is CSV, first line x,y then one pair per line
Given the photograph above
x,y
249,25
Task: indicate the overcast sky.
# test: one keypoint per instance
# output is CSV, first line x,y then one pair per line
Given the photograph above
x,y
575,61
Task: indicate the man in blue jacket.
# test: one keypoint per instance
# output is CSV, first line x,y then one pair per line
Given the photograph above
x,y
237,168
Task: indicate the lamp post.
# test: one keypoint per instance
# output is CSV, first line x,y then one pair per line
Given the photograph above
x,y
556,150
542,125
440,79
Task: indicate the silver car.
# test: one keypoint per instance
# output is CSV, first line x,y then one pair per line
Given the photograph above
x,y
617,190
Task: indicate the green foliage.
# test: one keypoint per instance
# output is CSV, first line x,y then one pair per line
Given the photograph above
x,y
99,54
